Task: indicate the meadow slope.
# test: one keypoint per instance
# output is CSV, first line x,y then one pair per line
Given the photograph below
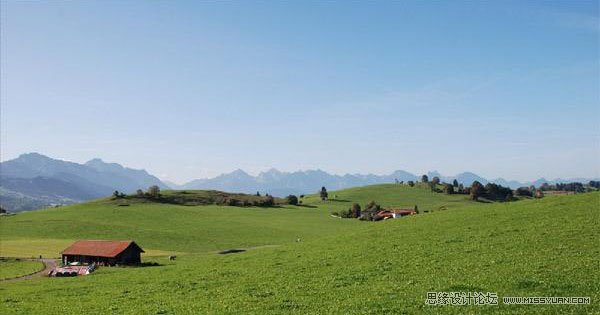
x,y
545,247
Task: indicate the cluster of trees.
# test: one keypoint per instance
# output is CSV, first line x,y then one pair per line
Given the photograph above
x,y
152,192
352,212
292,200
369,212
266,201
117,194
490,191
575,186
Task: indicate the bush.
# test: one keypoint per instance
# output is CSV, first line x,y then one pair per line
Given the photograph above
x,y
355,210
268,201
292,200
523,192
233,202
347,214
448,189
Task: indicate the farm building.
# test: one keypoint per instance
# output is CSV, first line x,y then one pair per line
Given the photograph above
x,y
393,214
397,213
103,252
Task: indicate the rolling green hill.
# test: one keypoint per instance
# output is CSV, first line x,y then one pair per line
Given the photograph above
x,y
547,247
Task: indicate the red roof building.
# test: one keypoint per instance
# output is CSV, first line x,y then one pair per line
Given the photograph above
x,y
103,252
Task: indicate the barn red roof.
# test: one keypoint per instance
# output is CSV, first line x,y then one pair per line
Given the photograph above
x,y
99,248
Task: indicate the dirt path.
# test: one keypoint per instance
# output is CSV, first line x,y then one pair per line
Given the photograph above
x,y
49,264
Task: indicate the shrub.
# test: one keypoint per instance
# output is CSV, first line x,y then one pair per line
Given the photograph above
x,y
523,192
292,200
233,202
355,210
448,189
268,201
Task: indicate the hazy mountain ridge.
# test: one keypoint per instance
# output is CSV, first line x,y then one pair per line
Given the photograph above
x,y
280,183
33,180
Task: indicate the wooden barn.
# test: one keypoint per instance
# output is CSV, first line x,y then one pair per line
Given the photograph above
x,y
103,252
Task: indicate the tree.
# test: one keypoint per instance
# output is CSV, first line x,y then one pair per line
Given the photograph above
x,y
257,194
416,209
323,193
455,183
116,194
355,210
435,180
268,201
477,190
448,189
424,178
411,183
154,191
524,192
139,193
498,192
292,200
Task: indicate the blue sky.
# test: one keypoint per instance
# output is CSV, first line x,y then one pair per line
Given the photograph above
x,y
188,89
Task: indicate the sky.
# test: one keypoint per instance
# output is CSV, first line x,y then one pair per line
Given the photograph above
x,y
193,89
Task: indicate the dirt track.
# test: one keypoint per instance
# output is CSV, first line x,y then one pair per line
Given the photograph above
x,y
49,264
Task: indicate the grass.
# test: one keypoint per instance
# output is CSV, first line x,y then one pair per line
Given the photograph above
x,y
546,247
12,268
390,195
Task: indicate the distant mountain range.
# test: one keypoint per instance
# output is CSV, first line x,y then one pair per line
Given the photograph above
x,y
280,183
34,181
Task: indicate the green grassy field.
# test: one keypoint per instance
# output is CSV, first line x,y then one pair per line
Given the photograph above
x,y
12,268
547,247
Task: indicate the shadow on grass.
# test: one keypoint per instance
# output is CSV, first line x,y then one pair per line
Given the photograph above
x,y
307,206
231,251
